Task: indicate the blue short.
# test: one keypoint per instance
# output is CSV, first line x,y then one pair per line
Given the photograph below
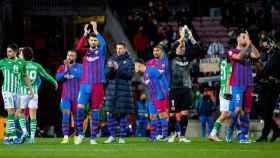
x,y
152,109
237,97
84,94
68,104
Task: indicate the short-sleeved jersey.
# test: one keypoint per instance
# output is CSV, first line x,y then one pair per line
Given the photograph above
x,y
242,74
71,80
13,71
33,71
155,84
225,71
93,61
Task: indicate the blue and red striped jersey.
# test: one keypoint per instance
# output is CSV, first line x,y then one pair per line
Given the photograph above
x,y
241,74
71,80
155,83
163,66
93,61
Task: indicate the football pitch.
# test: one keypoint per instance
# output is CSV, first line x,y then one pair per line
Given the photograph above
x,y
139,148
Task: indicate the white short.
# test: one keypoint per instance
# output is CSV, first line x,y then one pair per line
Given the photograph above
x,y
224,104
11,100
26,101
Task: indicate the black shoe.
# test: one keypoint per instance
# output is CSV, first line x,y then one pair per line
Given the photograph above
x,y
261,139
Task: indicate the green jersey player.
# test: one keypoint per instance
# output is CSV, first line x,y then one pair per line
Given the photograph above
x,y
13,70
225,71
33,71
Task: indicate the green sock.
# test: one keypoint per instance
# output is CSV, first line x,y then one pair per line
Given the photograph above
x,y
33,127
22,123
217,125
10,126
216,128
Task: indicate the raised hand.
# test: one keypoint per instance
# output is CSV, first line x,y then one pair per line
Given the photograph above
x,y
86,30
94,25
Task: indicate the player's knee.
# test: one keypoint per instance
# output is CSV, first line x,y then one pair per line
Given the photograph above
x,y
237,109
81,106
11,110
172,114
153,117
222,117
163,115
33,113
66,111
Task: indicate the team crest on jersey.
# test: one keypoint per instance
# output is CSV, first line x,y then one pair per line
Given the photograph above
x,y
147,82
237,97
96,52
92,59
124,62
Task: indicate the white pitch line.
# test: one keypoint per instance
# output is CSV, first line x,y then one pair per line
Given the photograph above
x,y
136,150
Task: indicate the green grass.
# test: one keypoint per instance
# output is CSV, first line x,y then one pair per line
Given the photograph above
x,y
138,148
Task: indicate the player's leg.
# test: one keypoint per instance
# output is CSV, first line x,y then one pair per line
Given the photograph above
x,y
10,125
153,116
162,109
178,126
23,103
159,129
97,101
33,106
65,108
83,99
185,104
235,108
245,117
172,117
224,109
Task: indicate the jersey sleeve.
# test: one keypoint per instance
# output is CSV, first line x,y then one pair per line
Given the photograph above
x,y
44,74
102,44
2,63
80,46
60,73
155,73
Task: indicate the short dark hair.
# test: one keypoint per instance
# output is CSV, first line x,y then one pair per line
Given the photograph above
x,y
13,46
92,34
141,61
240,31
122,43
72,50
159,47
27,53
